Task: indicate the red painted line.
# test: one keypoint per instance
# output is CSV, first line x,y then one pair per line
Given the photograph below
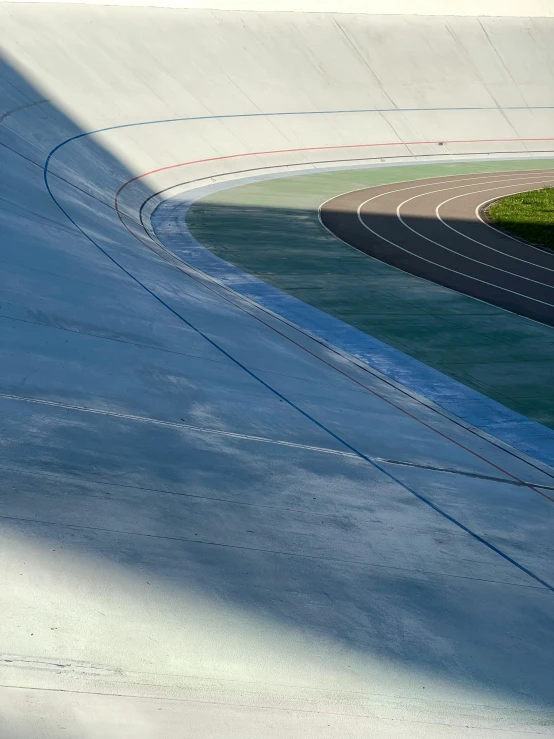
x,y
336,369
321,148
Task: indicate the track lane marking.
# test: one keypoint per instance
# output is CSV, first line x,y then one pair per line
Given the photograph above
x,y
336,369
478,176
180,317
507,235
299,150
464,256
441,266
175,424
501,233
311,162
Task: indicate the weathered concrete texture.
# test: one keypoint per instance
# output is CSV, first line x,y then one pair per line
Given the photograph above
x,y
205,527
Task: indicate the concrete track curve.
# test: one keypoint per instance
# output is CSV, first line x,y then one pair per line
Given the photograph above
x,y
208,524
433,229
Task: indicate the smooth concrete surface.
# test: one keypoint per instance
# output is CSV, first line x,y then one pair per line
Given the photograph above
x,y
499,8
212,525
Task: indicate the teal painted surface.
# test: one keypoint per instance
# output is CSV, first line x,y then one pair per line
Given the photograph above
x,y
271,230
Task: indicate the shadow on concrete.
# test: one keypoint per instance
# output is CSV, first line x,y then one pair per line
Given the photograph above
x,y
498,353
268,535
511,275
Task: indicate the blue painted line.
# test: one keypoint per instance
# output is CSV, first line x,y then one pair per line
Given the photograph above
x,y
283,114
273,390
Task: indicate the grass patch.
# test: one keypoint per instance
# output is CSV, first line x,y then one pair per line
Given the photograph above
x,y
528,215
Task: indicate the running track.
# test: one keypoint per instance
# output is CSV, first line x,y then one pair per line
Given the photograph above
x,y
433,229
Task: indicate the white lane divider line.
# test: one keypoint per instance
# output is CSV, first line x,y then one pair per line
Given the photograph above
x,y
420,183
481,243
464,256
436,264
176,425
478,211
444,181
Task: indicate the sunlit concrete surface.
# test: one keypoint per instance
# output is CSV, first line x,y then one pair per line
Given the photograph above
x,y
505,8
211,524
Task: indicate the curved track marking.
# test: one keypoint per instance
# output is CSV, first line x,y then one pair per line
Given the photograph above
x,y
436,264
477,212
283,166
235,361
365,387
481,243
465,256
303,149
478,176
403,189
355,238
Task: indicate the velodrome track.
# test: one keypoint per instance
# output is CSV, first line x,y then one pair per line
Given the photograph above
x,y
213,524
434,229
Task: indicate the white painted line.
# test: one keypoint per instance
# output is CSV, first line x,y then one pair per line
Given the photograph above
x,y
173,424
416,277
464,256
429,261
450,178
504,233
481,243
421,182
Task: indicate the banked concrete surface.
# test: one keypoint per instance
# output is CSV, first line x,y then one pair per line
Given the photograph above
x,y
496,8
211,524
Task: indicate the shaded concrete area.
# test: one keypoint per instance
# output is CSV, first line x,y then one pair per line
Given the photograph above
x,y
271,229
208,524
